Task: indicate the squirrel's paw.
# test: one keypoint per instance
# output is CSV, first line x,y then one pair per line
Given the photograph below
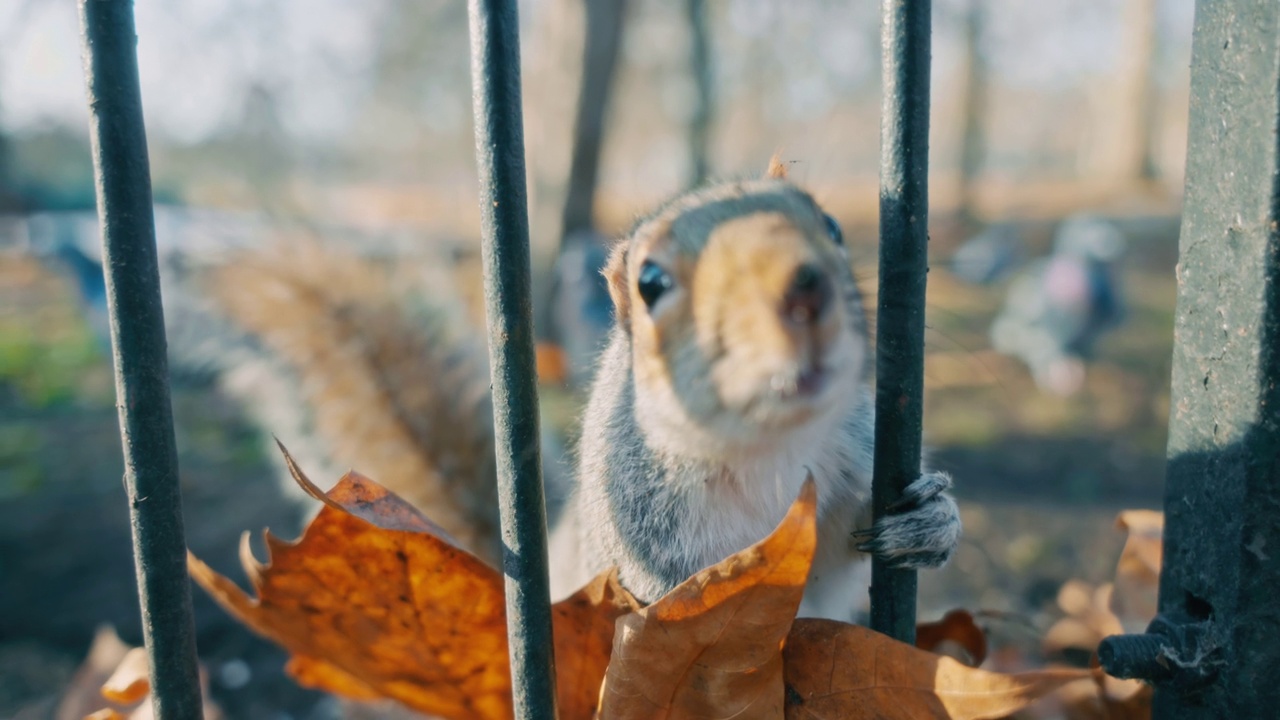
x,y
923,530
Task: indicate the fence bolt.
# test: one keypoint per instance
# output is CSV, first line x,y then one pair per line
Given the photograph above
x,y
1134,656
1167,654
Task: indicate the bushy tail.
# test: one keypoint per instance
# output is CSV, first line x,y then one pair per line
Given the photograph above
x,y
394,373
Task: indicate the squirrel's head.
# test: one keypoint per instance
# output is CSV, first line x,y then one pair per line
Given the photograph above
x,y
743,314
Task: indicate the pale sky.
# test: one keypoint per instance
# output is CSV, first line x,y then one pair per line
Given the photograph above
x,y
195,55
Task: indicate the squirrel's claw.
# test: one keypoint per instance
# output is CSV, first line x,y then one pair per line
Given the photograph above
x,y
923,530
925,488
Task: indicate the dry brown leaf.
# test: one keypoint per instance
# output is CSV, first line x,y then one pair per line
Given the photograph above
x,y
1142,551
310,672
374,601
835,670
584,635
1075,597
1102,698
1077,700
552,363
129,683
1127,605
1089,617
1136,598
83,693
710,648
410,615
956,635
1124,699
115,674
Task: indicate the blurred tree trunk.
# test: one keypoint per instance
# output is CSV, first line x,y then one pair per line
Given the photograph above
x,y
973,113
1134,114
599,63
9,200
8,193
264,145
574,49
554,55
704,99
10,197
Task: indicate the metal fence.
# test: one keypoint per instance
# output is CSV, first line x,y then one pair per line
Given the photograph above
x,y
1211,651
132,274
495,78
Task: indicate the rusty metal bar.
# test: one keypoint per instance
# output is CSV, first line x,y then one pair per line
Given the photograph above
x,y
123,182
904,214
495,77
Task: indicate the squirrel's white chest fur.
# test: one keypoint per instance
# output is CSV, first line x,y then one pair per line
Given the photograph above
x,y
760,490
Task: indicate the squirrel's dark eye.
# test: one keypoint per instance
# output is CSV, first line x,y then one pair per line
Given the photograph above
x,y
833,229
652,283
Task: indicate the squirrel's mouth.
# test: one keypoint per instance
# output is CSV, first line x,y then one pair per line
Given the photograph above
x,y
805,382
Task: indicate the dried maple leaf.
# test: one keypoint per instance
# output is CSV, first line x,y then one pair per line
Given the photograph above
x,y
836,670
374,601
710,648
585,624
956,635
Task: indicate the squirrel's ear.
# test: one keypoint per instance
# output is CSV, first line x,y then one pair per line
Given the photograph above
x,y
615,274
777,169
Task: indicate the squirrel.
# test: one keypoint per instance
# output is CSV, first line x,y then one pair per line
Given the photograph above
x,y
737,366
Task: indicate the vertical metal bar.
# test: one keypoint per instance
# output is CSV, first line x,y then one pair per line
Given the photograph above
x,y
495,77
1211,650
123,182
904,214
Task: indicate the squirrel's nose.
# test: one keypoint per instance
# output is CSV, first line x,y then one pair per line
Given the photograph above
x,y
808,295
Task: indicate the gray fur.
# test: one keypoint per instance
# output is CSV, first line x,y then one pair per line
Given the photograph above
x,y
692,228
